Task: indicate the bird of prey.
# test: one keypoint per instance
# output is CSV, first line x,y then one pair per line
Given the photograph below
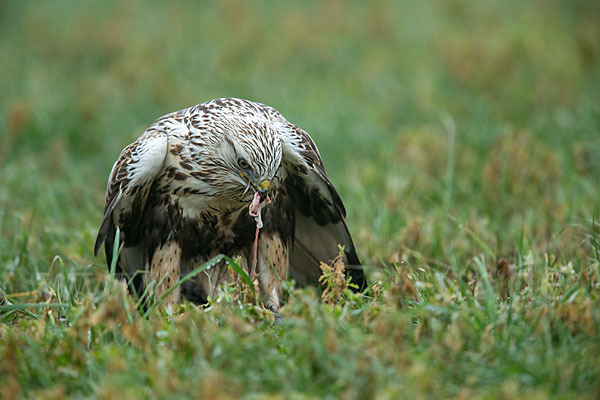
x,y
180,195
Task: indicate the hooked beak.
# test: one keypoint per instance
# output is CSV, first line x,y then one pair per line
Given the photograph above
x,y
263,189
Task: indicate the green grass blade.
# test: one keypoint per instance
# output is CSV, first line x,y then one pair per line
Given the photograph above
x,y
25,306
207,265
490,294
240,271
117,246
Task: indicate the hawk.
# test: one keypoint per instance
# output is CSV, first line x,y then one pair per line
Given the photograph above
x,y
180,195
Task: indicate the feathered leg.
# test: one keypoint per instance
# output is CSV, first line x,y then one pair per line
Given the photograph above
x,y
273,265
165,271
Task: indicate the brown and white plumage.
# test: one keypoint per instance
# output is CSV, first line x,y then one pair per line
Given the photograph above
x,y
180,193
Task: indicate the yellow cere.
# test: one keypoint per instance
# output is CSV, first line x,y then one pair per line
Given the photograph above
x,y
264,184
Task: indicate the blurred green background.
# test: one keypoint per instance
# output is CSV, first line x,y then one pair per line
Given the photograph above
x,y
428,115
457,132
423,111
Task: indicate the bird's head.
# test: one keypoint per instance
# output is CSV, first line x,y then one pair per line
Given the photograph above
x,y
250,157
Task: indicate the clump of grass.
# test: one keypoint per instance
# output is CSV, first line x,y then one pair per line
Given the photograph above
x,y
334,280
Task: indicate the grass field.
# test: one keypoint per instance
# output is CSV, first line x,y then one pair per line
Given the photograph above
x,y
463,136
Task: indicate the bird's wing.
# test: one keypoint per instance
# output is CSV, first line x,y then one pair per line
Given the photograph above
x,y
129,183
319,211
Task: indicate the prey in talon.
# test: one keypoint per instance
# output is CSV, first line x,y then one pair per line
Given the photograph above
x,y
231,177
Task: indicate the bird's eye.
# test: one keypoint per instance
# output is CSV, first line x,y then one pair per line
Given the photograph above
x,y
243,164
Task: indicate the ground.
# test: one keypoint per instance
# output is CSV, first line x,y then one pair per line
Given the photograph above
x,y
463,137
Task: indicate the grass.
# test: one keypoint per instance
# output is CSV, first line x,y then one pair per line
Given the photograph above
x,y
462,136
